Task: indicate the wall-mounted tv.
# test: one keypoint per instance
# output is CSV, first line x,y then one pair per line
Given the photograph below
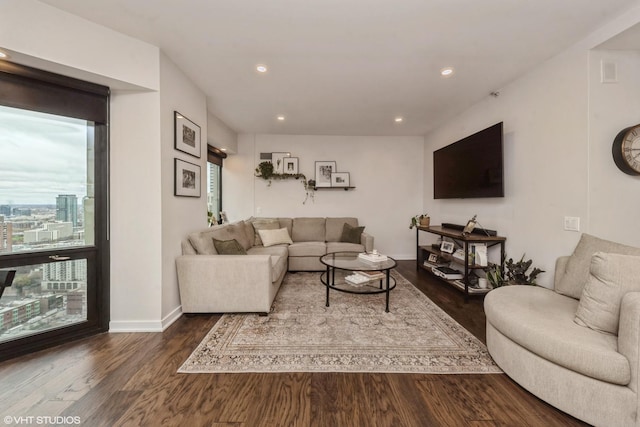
x,y
471,167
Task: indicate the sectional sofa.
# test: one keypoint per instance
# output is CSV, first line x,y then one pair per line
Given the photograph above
x,y
575,346
248,279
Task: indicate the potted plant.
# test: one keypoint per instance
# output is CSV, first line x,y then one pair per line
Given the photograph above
x,y
514,273
421,220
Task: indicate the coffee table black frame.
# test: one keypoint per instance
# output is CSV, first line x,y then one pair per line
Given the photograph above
x,y
349,261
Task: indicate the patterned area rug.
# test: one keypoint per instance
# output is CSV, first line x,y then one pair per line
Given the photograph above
x,y
354,334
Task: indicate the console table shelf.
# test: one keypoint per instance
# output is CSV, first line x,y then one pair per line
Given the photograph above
x,y
464,240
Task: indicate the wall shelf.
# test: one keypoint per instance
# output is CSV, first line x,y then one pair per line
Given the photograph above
x,y
334,188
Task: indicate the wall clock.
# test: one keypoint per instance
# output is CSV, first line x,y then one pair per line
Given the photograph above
x,y
626,150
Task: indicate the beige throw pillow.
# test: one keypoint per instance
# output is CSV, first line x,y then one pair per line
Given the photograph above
x,y
577,270
264,224
275,237
611,276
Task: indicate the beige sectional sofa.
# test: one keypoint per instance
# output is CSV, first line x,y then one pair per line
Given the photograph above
x,y
575,346
214,283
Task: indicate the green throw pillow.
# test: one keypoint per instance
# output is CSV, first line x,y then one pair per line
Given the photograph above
x,y
351,234
228,247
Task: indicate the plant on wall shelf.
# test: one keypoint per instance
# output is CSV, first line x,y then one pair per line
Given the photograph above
x,y
514,273
419,220
265,171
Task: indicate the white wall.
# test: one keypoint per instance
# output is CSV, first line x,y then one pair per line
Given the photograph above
x,y
180,215
614,201
386,172
557,160
220,135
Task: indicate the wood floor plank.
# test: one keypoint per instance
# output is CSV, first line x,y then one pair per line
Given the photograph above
x,y
132,380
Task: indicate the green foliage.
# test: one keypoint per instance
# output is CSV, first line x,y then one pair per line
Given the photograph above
x,y
265,171
415,221
515,273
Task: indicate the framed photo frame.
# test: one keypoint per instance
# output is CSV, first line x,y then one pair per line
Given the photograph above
x,y
278,161
187,135
290,165
447,247
340,179
324,169
187,179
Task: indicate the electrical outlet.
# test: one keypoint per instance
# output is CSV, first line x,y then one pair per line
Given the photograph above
x,y
572,223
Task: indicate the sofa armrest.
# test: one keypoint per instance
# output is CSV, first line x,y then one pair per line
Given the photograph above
x,y
224,283
629,334
367,241
561,268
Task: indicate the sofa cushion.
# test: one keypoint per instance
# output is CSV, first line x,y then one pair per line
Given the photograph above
x,y
308,230
344,247
274,237
263,224
577,271
335,227
351,234
286,223
228,247
202,241
280,250
278,266
541,321
307,249
611,276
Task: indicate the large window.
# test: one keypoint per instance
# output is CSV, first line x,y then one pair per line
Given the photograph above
x,y
214,183
53,209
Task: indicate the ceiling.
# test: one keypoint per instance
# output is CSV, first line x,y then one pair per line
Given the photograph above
x,y
349,67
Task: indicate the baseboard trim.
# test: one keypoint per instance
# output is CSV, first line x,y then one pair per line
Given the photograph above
x,y
171,317
117,326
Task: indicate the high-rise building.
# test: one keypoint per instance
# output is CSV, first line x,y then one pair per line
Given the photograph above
x,y
67,208
6,235
5,210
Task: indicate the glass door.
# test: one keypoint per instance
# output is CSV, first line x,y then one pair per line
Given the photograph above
x,y
52,236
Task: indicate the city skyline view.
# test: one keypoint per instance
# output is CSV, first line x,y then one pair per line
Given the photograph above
x,y
48,157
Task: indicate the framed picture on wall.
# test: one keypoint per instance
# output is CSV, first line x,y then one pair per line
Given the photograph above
x,y
340,179
290,165
278,161
187,135
324,169
187,179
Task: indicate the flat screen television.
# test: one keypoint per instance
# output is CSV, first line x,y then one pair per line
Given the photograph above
x,y
471,167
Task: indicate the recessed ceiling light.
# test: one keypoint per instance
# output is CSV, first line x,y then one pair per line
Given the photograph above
x,y
261,68
446,72
398,119
281,118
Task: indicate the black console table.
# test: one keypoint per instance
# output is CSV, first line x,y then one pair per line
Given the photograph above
x,y
463,240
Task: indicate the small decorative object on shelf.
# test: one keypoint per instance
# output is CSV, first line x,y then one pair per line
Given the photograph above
x,y
420,220
372,257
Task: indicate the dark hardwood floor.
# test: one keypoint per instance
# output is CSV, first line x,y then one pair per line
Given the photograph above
x,y
130,379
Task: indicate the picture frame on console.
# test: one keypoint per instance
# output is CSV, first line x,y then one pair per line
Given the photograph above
x,y
340,179
187,135
324,169
187,179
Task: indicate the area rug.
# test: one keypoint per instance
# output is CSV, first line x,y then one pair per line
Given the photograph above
x,y
354,334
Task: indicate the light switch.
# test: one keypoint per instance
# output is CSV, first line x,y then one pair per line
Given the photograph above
x,y
572,223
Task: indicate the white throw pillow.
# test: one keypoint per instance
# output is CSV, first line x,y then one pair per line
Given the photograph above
x,y
274,237
611,276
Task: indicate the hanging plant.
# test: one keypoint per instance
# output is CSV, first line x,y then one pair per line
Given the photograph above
x,y
265,171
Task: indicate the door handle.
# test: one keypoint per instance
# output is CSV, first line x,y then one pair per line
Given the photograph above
x,y
59,258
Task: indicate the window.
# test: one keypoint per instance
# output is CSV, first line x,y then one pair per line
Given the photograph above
x,y
53,208
214,183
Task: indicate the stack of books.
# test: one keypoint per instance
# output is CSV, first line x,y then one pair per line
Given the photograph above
x,y
447,273
363,277
371,257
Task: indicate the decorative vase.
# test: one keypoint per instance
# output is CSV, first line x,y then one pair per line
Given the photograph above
x,y
424,222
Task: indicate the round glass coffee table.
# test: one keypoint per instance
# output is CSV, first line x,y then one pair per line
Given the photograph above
x,y
350,273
